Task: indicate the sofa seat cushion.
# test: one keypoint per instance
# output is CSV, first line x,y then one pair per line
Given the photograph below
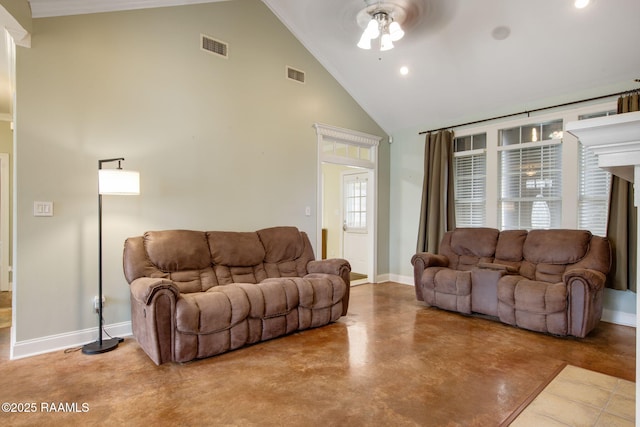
x,y
446,288
276,306
212,322
218,309
532,304
320,299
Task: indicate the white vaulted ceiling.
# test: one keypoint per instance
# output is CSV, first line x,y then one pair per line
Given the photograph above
x,y
458,71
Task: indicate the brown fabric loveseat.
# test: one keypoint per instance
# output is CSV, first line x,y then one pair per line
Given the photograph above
x,y
544,280
195,294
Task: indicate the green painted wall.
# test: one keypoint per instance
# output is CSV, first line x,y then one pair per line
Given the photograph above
x,y
224,144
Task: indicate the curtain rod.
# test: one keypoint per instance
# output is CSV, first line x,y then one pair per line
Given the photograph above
x,y
531,111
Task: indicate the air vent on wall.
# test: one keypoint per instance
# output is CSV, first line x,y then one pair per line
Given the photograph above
x,y
296,75
214,46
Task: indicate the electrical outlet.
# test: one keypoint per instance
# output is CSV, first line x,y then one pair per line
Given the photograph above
x,y
96,304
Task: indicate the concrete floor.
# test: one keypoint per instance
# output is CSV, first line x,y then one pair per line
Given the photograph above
x,y
390,361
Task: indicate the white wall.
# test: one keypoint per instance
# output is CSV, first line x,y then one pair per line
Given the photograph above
x,y
407,154
221,144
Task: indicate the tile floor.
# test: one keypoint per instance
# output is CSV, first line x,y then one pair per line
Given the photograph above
x,y
579,397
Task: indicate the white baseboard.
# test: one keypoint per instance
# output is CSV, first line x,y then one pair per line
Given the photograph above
x,y
381,278
405,280
619,317
33,347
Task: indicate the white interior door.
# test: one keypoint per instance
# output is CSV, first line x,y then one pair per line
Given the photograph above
x,y
355,220
4,222
357,150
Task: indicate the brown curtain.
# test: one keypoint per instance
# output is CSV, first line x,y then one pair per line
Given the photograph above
x,y
437,213
628,104
622,221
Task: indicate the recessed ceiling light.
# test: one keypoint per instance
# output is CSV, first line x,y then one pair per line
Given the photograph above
x,y
404,70
501,32
581,4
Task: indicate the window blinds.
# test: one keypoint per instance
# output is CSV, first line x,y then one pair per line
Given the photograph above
x,y
531,186
470,194
594,185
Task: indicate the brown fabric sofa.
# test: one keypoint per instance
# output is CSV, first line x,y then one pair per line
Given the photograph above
x,y
195,294
543,280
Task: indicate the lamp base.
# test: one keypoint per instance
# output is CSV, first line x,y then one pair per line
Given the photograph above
x,y
96,347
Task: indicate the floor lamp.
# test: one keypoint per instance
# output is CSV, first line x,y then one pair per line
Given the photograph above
x,y
110,182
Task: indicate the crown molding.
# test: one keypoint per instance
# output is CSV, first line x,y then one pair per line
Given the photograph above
x,y
51,8
347,135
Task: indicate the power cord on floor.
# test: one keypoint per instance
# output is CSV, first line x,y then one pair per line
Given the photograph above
x,y
104,331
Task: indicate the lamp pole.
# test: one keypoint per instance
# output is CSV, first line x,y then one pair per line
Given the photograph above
x,y
101,346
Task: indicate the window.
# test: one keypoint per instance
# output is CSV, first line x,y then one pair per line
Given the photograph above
x,y
470,168
530,176
593,190
345,150
355,189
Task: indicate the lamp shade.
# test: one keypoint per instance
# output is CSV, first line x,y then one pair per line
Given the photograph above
x,y
118,182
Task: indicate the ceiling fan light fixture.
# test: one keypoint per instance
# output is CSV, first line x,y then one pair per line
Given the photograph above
x,y
383,19
385,42
365,42
373,29
395,31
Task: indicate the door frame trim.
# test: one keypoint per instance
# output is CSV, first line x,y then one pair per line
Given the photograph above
x,y
328,133
4,223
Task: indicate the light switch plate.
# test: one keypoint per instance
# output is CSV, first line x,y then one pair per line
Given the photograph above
x,y
42,208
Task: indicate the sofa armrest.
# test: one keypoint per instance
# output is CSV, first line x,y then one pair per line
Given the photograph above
x,y
593,278
153,307
335,266
338,266
585,289
427,259
420,262
144,289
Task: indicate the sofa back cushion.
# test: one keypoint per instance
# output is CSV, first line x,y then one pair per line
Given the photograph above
x,y
599,256
556,246
177,250
237,249
478,242
287,251
236,257
181,256
509,248
197,260
549,253
542,255
510,244
466,247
